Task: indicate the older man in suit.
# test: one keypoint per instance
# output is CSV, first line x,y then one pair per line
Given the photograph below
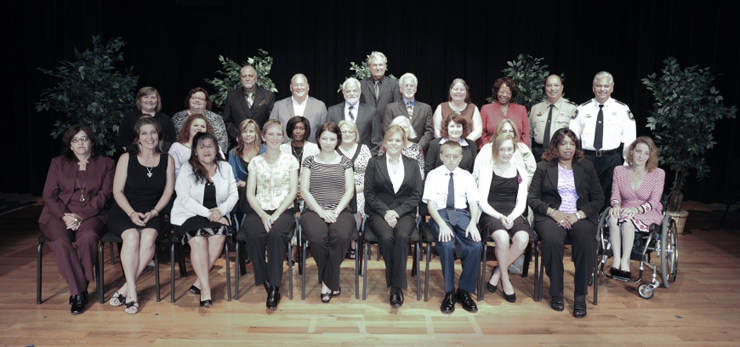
x,y
361,114
379,90
419,113
300,104
249,102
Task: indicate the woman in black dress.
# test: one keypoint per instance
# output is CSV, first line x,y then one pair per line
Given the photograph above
x,y
143,185
505,185
206,193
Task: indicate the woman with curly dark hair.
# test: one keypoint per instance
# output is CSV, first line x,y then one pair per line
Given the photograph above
x,y
454,128
77,188
504,90
566,197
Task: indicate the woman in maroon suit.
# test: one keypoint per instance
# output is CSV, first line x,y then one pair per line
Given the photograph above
x,y
78,185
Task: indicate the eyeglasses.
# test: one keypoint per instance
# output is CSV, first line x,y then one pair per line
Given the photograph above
x,y
78,139
197,98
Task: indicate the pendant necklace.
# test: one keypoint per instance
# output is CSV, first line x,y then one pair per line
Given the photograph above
x,y
149,171
82,190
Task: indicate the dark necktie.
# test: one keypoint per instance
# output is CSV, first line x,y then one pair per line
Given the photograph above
x,y
599,134
351,116
410,110
451,213
546,138
377,89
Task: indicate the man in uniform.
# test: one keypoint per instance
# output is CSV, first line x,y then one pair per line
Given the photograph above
x,y
251,101
300,104
603,124
419,113
549,115
379,90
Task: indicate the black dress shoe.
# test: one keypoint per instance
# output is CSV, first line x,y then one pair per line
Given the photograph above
x,y
463,297
273,297
80,301
400,298
394,300
492,287
625,274
195,290
448,303
557,303
614,271
206,303
510,298
71,300
579,309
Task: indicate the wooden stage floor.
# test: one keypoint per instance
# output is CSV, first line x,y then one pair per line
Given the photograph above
x,y
701,308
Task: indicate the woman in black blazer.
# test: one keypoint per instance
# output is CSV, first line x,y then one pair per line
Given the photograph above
x,y
566,196
393,188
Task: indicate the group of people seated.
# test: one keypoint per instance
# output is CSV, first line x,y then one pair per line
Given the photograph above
x,y
472,179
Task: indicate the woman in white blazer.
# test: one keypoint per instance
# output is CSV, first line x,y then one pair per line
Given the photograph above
x,y
206,193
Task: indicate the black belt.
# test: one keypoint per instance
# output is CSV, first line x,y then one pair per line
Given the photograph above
x,y
601,153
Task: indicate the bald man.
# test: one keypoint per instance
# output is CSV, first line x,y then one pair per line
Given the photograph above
x,y
249,102
300,104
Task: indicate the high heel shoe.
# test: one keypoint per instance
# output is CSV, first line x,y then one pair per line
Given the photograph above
x,y
491,287
206,303
614,271
510,298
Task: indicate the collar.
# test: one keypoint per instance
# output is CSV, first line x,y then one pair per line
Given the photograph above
x,y
379,80
296,101
347,104
556,103
406,102
606,103
461,141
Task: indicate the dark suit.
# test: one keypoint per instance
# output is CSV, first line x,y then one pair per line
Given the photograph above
x,y
421,121
389,93
379,198
543,193
366,126
76,265
315,112
236,110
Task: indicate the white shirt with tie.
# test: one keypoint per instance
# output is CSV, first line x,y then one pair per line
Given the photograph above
x,y
619,125
354,112
466,192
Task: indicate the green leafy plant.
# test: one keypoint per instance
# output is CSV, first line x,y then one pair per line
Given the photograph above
x,y
683,118
91,91
529,75
360,72
231,72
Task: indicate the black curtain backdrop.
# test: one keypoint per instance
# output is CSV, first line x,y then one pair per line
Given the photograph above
x,y
173,45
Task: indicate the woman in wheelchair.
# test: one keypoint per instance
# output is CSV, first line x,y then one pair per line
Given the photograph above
x,y
566,197
505,185
206,193
636,193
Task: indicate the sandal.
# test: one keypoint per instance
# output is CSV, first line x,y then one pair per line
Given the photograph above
x,y
557,303
579,309
326,297
120,298
336,293
352,253
131,304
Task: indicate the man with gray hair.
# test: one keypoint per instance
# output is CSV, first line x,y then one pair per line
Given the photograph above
x,y
249,102
379,90
603,125
419,113
363,115
300,104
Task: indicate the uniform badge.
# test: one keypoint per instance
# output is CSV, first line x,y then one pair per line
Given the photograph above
x,y
575,115
614,114
539,114
629,114
588,115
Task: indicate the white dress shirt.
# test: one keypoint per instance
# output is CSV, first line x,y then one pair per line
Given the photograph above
x,y
466,192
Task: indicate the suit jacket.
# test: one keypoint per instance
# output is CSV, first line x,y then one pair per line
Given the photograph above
x,y
315,112
370,135
421,122
236,110
543,192
61,182
389,93
379,194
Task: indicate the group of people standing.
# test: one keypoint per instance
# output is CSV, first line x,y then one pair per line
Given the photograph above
x,y
380,155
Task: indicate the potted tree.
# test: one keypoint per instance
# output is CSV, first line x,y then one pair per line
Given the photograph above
x,y
683,118
91,91
232,76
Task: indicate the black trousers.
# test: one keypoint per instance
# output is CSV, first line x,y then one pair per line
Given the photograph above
x,y
537,151
277,239
604,167
394,245
329,243
75,260
583,237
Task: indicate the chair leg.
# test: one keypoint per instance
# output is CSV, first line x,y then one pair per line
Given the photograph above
x,y
303,273
228,270
426,275
98,284
38,273
101,280
172,272
541,281
181,260
365,246
290,271
417,247
156,273
237,275
527,259
482,272
357,274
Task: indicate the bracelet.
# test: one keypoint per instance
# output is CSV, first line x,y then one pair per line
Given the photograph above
x,y
554,211
130,214
156,213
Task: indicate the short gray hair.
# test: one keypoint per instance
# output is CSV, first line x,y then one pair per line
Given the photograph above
x,y
400,120
604,74
378,55
351,79
405,76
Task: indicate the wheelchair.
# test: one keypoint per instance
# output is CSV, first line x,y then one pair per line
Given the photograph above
x,y
661,239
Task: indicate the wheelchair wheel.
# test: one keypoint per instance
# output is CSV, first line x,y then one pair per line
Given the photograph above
x,y
602,239
646,290
669,251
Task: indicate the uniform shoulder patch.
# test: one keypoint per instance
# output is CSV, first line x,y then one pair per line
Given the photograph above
x,y
571,102
575,115
629,114
587,102
619,102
